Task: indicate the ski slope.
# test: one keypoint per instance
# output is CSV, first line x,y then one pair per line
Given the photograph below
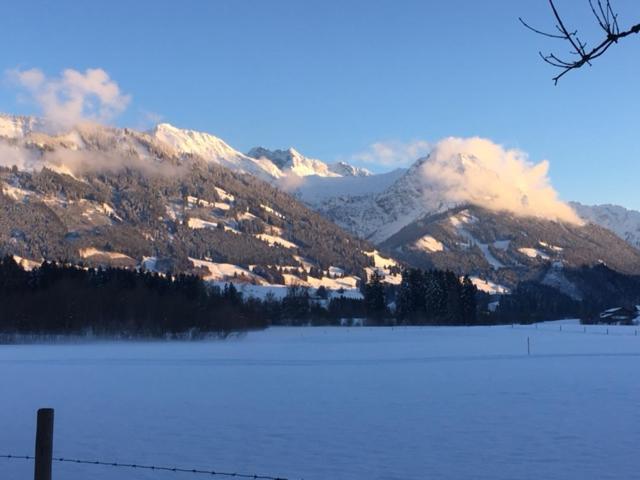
x,y
347,403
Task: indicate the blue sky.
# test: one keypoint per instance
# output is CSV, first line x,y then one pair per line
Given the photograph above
x,y
332,78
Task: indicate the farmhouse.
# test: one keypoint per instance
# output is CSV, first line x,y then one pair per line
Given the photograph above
x,y
620,315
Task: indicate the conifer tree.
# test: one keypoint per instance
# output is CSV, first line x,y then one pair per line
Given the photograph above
x,y
374,299
468,294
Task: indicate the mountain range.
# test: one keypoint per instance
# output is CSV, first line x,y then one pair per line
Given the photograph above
x,y
177,200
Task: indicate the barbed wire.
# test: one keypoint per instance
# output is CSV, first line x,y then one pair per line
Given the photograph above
x,y
150,467
596,329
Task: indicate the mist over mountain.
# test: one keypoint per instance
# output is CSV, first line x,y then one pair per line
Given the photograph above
x,y
457,172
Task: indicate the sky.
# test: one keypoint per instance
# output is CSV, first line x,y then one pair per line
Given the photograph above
x,y
371,82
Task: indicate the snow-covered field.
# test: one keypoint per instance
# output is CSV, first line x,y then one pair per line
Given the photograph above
x,y
337,403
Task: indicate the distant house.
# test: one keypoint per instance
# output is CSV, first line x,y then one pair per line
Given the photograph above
x,y
620,315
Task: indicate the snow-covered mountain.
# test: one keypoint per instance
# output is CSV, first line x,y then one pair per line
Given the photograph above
x,y
186,200
345,169
316,190
214,149
166,200
623,222
17,126
375,210
269,165
505,248
291,161
381,211
460,213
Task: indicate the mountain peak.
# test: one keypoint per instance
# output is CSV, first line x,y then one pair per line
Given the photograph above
x,y
345,169
203,144
18,126
292,161
212,149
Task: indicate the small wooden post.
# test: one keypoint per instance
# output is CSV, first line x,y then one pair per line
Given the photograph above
x,y
607,331
44,444
560,327
528,346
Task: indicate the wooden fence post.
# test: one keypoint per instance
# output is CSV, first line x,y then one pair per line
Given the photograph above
x,y
44,445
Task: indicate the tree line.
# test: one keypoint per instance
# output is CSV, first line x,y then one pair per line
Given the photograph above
x,y
65,299
58,298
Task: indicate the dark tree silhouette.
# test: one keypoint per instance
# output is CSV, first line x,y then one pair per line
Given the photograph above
x,y
580,54
375,305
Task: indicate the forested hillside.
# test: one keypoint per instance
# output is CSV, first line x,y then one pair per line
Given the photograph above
x,y
204,212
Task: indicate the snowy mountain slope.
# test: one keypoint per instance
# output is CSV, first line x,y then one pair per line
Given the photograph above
x,y
456,172
507,248
623,222
269,165
315,190
378,214
215,150
100,195
291,161
16,126
345,169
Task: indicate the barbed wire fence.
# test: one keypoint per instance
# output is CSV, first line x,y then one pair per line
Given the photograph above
x,y
159,468
44,459
589,329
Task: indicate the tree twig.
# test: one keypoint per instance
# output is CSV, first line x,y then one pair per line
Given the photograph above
x,y
606,18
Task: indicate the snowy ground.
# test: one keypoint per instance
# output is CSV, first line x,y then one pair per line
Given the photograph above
x,y
328,403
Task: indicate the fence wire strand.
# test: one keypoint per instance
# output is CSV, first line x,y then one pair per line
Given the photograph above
x,y
589,329
150,467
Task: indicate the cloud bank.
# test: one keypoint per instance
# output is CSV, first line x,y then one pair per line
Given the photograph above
x,y
18,156
74,97
80,162
393,153
478,171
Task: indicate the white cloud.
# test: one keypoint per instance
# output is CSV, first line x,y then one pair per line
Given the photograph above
x,y
73,97
14,155
393,153
290,182
476,170
85,161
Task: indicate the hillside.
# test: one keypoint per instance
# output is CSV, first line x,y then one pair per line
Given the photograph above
x,y
623,222
504,249
120,197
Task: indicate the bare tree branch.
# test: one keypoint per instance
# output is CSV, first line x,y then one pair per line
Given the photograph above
x,y
606,18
